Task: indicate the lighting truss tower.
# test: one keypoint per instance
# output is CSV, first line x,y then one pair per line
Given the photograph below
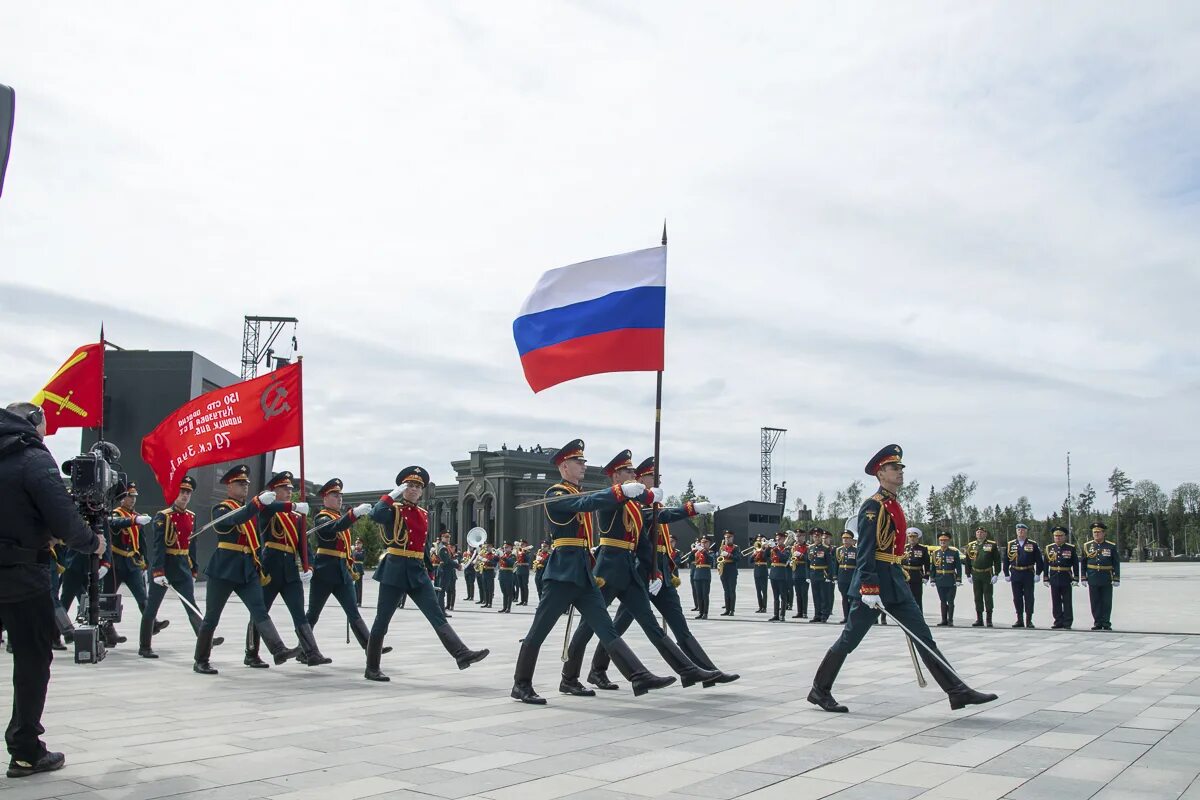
x,y
770,438
255,347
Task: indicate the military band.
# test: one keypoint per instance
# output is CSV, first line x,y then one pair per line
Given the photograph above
x,y
915,562
539,566
846,558
799,564
946,575
486,564
448,564
982,565
729,559
1062,573
822,574
469,573
702,566
506,567
1023,564
1101,573
780,575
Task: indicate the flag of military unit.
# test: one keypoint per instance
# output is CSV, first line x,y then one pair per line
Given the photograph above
x,y
74,395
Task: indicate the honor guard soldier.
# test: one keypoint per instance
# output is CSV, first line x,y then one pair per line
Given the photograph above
x,y
337,570
485,574
522,571
128,563
799,563
284,540
760,561
171,565
1101,572
235,566
729,558
617,574
879,585
507,566
656,556
982,566
915,562
360,569
569,582
1062,572
539,566
822,566
403,573
1022,565
946,576
780,575
847,559
702,563
449,564
469,573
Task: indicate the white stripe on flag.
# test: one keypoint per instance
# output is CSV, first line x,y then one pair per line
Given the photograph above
x,y
597,278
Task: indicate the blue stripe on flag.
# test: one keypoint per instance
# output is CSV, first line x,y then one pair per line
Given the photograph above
x,y
643,307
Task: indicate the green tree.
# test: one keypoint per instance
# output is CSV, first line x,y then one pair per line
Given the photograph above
x,y
1118,484
820,509
910,500
954,500
1086,501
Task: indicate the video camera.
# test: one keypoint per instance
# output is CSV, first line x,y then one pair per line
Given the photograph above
x,y
95,476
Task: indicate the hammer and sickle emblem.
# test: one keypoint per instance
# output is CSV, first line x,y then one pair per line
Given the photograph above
x,y
274,400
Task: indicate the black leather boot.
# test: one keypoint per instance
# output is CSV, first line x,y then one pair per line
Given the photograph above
x,y
822,689
252,641
144,633
362,634
204,645
463,655
279,651
159,624
989,619
111,637
978,623
374,651
311,654
943,623
689,674
1029,621
695,652
598,674
523,677
633,669
957,692
950,614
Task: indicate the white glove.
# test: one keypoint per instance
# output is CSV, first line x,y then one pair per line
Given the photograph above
x,y
873,601
161,580
704,507
632,489
142,519
654,495
300,508
994,579
101,572
655,586
361,510
1008,578
266,498
305,576
395,493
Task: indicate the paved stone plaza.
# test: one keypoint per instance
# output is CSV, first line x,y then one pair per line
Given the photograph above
x,y
1080,714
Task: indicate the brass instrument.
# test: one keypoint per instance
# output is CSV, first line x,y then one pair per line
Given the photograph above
x,y
721,564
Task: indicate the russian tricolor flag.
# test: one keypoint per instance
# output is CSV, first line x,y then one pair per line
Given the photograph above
x,y
606,315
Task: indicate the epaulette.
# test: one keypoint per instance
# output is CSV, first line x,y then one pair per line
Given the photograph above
x,y
877,497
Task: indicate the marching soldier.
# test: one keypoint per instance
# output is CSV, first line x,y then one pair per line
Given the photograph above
x,y
507,565
485,574
915,562
983,570
128,563
1022,565
879,585
402,572
284,539
450,564
822,565
569,581
360,569
759,559
799,563
1101,572
469,573
947,577
539,566
617,574
846,557
781,574
172,565
729,559
522,571
336,569
1062,573
656,554
235,566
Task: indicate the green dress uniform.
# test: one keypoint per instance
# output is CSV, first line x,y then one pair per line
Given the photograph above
x,y
947,577
128,562
799,564
759,560
1023,563
507,566
521,573
485,575
822,567
1102,571
539,567
846,556
729,560
1062,573
702,567
982,565
915,562
781,579
881,534
171,557
568,582
449,563
403,574
337,571
469,576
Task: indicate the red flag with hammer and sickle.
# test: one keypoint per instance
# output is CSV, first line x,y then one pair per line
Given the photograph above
x,y
242,420
74,396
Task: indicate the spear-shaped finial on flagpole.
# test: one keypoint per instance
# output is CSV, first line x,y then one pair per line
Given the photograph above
x,y
664,232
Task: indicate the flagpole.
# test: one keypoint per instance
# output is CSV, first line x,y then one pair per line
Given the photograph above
x,y
303,483
658,398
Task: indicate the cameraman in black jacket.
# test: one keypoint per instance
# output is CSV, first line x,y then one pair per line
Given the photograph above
x,y
35,510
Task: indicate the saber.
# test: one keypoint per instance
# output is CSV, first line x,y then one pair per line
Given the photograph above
x,y
187,603
567,635
545,501
219,520
912,651
316,528
928,649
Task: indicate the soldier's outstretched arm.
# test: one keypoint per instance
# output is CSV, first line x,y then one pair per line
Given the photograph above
x,y
118,523
243,514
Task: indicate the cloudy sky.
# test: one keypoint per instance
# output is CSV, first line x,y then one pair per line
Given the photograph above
x,y
968,228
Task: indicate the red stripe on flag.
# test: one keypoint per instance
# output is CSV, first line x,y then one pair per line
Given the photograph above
x,y
626,350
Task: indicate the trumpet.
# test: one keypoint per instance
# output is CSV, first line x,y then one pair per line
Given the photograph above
x,y
752,548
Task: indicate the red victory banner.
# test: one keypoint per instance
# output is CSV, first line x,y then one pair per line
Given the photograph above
x,y
245,419
74,395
